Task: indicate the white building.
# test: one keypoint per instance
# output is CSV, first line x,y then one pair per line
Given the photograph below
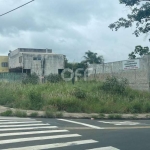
x,y
40,61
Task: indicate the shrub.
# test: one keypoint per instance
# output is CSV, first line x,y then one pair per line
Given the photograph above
x,y
7,113
35,100
59,115
146,107
79,93
69,105
114,85
34,114
53,78
114,116
7,97
31,79
19,113
136,107
102,115
49,114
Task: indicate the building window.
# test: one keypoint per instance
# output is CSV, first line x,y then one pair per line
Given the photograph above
x,y
37,58
20,59
4,64
34,58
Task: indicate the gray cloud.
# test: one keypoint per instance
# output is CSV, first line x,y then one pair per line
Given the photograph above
x,y
68,27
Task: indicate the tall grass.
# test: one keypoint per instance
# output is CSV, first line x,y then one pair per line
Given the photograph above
x,y
81,97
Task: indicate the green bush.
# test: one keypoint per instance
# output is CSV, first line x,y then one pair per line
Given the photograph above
x,y
59,115
136,107
19,113
79,93
69,105
114,116
36,101
31,79
7,113
114,85
53,78
49,114
34,114
7,97
101,115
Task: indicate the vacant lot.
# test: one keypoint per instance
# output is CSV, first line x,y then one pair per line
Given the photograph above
x,y
83,96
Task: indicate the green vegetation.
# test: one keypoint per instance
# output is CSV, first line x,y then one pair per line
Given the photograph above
x,y
112,84
139,15
139,50
49,114
102,116
19,113
112,96
31,79
53,78
34,114
114,116
7,113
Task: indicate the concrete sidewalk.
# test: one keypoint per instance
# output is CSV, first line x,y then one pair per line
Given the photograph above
x,y
83,115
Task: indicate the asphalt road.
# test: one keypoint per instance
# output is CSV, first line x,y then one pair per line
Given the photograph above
x,y
73,134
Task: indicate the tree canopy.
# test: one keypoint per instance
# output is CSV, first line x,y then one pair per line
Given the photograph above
x,y
93,58
90,57
140,16
141,51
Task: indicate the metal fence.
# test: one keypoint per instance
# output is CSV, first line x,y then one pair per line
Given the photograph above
x,y
12,77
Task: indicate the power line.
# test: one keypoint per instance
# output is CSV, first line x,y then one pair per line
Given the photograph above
x,y
16,8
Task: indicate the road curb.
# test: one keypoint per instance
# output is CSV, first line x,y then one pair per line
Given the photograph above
x,y
92,116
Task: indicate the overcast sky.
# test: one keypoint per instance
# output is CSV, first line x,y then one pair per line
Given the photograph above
x,y
69,27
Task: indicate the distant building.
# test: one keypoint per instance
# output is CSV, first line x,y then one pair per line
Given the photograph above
x,y
4,64
40,61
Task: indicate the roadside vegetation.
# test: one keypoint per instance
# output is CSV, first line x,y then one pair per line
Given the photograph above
x,y
111,96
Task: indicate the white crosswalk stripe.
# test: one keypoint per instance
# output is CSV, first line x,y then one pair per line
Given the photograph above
x,y
32,132
36,135
26,130
38,138
18,122
23,125
55,145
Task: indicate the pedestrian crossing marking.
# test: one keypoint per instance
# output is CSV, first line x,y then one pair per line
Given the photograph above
x,y
32,132
55,145
29,128
23,125
38,138
20,122
36,128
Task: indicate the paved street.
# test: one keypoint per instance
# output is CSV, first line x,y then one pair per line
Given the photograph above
x,y
73,134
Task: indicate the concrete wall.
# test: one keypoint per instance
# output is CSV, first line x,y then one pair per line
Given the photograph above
x,y
14,60
3,59
138,78
48,63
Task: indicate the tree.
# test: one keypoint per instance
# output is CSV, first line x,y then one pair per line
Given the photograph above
x,y
92,58
140,51
140,15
